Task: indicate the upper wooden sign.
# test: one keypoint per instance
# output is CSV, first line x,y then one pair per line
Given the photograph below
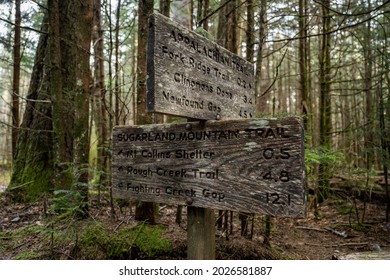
x,y
191,76
253,165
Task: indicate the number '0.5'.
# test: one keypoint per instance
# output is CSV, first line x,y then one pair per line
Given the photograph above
x,y
269,153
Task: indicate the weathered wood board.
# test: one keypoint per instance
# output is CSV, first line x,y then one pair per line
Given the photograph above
x,y
191,76
253,165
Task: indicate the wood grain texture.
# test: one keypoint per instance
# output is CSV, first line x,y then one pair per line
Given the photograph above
x,y
191,76
253,165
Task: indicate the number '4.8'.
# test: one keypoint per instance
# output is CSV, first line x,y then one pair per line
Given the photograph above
x,y
283,176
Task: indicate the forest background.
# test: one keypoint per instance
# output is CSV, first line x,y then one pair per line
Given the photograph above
x,y
71,70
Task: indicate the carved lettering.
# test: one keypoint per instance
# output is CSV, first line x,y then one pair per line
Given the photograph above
x,y
183,101
267,132
215,53
190,76
251,165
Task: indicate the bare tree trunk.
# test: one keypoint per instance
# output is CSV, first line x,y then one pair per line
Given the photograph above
x,y
250,35
231,26
117,89
325,99
368,93
250,38
16,79
261,100
101,116
76,59
144,210
165,7
303,74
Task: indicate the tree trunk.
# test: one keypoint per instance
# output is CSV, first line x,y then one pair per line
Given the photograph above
x,y
250,28
325,100
165,7
250,38
59,90
83,13
117,89
261,103
16,79
368,93
100,112
144,210
34,159
231,26
302,57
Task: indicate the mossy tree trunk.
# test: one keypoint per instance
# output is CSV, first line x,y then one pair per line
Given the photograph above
x,y
33,158
52,150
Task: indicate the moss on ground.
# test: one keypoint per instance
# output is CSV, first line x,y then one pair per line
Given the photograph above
x,y
85,240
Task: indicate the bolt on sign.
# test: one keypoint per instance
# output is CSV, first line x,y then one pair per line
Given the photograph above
x,y
191,76
251,165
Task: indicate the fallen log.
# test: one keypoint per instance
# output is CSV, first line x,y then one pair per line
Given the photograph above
x,y
369,255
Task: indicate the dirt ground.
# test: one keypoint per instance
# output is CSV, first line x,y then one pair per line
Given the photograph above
x,y
333,236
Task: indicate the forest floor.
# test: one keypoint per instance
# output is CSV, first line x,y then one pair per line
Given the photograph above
x,y
346,225
27,233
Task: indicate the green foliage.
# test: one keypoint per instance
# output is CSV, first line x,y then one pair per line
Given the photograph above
x,y
72,201
68,202
98,241
20,238
322,155
30,184
149,240
27,255
345,209
359,226
85,240
5,238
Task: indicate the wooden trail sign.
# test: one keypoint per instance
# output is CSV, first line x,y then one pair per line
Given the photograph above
x,y
191,76
253,165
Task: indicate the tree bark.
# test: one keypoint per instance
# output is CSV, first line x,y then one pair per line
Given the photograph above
x,y
59,90
250,35
165,7
368,93
144,210
34,159
325,99
302,56
16,78
101,114
261,100
117,89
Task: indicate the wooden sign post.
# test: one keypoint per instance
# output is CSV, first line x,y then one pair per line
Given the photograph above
x,y
253,165
230,162
190,76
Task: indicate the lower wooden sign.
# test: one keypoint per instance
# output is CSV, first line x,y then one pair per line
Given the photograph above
x,y
253,165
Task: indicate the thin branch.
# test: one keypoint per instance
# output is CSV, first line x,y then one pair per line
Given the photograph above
x,y
353,15
24,27
213,12
326,33
40,5
276,75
